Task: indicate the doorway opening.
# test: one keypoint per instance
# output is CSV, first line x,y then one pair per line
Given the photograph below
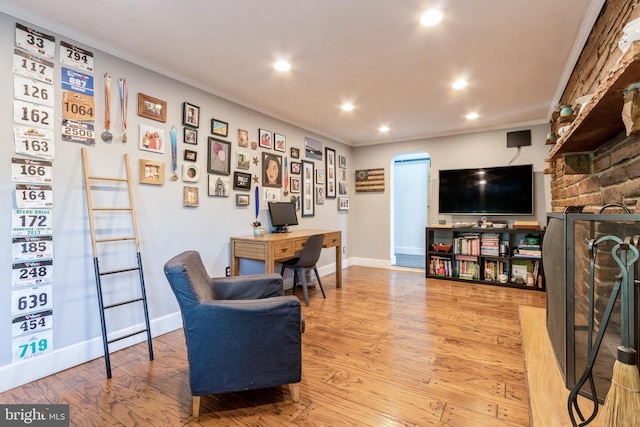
x,y
409,208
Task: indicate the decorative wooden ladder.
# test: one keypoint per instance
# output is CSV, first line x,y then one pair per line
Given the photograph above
x,y
89,183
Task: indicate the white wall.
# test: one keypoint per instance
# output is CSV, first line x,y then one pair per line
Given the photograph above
x,y
370,221
166,227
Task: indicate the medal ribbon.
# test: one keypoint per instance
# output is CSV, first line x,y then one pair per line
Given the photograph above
x,y
124,96
107,101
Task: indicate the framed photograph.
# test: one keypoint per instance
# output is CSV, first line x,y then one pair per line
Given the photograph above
x,y
295,184
190,136
266,138
280,142
243,138
295,153
219,156
218,127
152,108
242,200
151,172
343,203
151,139
320,176
330,172
190,172
190,197
271,170
218,186
312,148
190,156
241,181
342,162
308,196
320,195
190,115
242,161
295,168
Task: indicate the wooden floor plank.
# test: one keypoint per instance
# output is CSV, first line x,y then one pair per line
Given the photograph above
x,y
388,348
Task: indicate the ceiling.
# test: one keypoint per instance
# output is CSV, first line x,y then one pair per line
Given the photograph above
x,y
516,54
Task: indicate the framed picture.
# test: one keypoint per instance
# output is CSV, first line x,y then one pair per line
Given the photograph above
x,y
151,139
242,200
342,162
308,206
243,138
152,108
218,186
330,169
320,195
312,148
218,127
265,137
295,153
151,172
190,115
271,170
219,156
343,203
190,156
190,136
190,197
295,184
190,172
241,181
320,176
242,161
295,168
280,142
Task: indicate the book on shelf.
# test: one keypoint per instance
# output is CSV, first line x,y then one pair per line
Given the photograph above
x,y
490,244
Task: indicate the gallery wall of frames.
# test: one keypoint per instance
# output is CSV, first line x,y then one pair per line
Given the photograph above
x,y
203,169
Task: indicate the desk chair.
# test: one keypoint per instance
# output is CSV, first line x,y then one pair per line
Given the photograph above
x,y
307,260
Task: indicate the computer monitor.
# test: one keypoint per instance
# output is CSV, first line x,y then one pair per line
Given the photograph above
x,y
282,215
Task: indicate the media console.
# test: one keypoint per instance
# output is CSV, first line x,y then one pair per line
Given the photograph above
x,y
496,256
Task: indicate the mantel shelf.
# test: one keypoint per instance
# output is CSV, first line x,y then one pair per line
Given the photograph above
x,y
601,118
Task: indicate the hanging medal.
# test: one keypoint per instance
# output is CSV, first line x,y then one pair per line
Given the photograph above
x,y
106,135
174,152
124,99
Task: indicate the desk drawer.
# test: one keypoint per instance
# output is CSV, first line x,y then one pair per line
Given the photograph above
x,y
283,250
331,240
250,250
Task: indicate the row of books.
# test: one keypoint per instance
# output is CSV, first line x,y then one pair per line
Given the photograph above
x,y
490,244
467,244
529,250
522,272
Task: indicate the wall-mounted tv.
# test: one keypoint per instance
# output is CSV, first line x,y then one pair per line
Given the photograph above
x,y
504,190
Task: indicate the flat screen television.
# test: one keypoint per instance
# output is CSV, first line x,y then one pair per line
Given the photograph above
x,y
504,190
282,215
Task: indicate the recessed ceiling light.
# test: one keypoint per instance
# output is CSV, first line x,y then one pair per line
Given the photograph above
x,y
430,18
472,116
347,107
459,84
383,129
282,66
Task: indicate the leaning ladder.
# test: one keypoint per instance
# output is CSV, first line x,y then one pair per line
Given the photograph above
x,y
89,183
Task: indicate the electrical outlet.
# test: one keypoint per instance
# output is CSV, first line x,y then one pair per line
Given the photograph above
x,y
344,249
227,271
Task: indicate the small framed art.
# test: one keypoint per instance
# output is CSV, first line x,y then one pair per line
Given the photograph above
x,y
308,206
265,137
218,127
152,108
242,200
151,139
295,153
330,175
190,156
295,184
218,186
190,172
295,168
280,142
219,156
243,138
190,136
190,197
151,172
241,181
190,115
343,203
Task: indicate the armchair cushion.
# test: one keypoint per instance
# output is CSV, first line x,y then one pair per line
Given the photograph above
x,y
247,287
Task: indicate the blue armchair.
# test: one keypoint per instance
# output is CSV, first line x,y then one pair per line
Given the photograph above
x,y
241,332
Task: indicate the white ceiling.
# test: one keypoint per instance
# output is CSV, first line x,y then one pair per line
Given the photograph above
x,y
516,54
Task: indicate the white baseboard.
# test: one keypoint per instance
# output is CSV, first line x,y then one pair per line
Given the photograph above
x,y
21,373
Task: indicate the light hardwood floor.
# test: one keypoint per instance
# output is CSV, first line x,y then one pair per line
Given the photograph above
x,y
389,348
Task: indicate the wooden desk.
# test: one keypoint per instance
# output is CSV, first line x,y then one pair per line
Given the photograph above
x,y
274,247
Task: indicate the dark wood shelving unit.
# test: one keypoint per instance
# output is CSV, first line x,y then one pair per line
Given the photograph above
x,y
601,118
447,235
